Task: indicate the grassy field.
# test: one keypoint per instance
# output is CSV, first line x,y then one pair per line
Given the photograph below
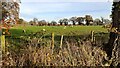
x,y
58,30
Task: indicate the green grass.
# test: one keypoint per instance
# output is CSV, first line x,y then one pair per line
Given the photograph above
x,y
58,30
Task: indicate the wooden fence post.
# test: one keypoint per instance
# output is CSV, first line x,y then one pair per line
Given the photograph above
x,y
3,42
52,41
92,36
61,41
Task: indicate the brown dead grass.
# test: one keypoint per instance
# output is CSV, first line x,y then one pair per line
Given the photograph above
x,y
71,54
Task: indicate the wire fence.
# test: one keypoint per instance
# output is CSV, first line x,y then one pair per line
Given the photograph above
x,y
52,40
42,38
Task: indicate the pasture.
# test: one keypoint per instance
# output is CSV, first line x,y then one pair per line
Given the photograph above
x,y
59,30
24,34
34,45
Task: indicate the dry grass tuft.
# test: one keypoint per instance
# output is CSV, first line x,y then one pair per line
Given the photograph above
x,y
71,54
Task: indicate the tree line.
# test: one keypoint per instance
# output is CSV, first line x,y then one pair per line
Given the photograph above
x,y
87,20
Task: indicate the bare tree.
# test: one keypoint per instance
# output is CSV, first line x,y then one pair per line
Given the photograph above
x,y
80,20
54,23
42,23
107,21
60,21
102,19
97,21
88,19
73,19
35,21
65,21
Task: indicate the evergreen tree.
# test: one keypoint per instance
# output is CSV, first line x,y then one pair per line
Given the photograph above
x,y
114,34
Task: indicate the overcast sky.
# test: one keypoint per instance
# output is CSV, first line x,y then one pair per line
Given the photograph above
x,y
57,9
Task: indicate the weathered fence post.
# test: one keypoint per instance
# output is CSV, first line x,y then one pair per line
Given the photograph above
x,y
61,41
92,36
52,43
3,42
